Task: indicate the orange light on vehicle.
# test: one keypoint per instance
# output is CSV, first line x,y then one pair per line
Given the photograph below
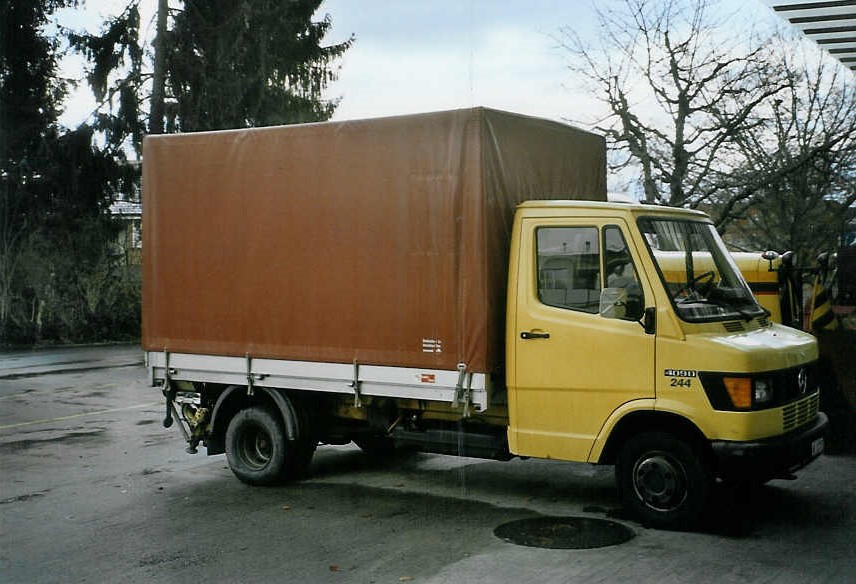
x,y
740,390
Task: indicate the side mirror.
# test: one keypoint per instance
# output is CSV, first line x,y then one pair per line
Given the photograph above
x,y
617,303
770,256
613,303
649,320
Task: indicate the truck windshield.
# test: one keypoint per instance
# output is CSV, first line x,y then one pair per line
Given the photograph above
x,y
702,280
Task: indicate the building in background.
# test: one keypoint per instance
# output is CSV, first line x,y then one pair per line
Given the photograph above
x,y
130,241
831,24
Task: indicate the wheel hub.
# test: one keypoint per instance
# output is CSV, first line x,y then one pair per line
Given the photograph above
x,y
659,482
256,447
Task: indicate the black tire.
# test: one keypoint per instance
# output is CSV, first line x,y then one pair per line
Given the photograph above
x,y
663,481
256,447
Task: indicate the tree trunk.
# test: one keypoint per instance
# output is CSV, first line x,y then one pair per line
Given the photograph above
x,y
156,114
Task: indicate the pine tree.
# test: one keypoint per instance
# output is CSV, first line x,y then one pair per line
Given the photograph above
x,y
29,94
254,63
221,64
55,185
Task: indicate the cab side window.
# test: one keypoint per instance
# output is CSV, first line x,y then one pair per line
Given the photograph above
x,y
620,272
569,267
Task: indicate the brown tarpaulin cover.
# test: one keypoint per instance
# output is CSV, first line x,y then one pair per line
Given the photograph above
x,y
381,240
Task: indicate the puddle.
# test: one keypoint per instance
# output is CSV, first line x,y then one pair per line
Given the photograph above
x,y
70,437
575,533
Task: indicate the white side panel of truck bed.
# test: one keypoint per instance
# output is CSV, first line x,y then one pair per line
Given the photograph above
x,y
372,380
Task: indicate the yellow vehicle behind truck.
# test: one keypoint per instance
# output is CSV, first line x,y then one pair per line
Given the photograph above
x,y
429,281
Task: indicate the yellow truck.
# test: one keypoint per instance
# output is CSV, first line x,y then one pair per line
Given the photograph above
x,y
827,312
456,282
773,284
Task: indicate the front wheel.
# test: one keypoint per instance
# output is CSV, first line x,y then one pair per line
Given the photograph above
x,y
256,446
664,481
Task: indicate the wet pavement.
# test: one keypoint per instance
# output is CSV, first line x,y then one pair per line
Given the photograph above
x,y
32,363
94,489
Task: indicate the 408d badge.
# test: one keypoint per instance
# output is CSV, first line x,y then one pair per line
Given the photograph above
x,y
680,377
680,373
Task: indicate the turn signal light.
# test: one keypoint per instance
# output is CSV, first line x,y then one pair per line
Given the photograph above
x,y
740,391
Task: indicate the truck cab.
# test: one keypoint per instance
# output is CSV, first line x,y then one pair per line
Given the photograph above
x,y
632,339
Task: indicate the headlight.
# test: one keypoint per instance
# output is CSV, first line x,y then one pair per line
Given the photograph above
x,y
743,392
762,392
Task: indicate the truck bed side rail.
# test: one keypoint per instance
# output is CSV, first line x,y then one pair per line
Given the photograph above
x,y
347,378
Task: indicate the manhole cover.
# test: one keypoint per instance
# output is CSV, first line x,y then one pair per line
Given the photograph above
x,y
563,533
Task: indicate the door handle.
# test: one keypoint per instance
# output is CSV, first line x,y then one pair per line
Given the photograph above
x,y
532,335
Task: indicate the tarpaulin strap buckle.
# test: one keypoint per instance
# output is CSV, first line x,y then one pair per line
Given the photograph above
x,y
462,389
355,385
251,382
167,381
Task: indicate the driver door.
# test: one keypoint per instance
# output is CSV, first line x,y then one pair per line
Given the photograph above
x,y
573,365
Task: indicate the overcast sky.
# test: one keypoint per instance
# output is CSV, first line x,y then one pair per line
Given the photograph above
x,y
424,56
428,55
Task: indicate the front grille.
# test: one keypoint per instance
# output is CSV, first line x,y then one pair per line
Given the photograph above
x,y
734,326
795,383
800,412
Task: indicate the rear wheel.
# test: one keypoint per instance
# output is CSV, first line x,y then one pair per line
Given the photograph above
x,y
258,451
256,446
664,481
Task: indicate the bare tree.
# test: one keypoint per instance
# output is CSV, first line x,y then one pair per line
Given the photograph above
x,y
679,95
806,149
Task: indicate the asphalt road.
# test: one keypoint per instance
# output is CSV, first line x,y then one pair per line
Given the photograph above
x,y
94,489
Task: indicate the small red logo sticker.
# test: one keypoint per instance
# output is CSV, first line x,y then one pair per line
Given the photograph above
x,y
427,378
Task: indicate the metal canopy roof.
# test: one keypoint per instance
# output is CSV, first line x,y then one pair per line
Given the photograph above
x,y
830,23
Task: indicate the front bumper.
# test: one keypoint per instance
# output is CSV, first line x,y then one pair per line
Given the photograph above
x,y
772,457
